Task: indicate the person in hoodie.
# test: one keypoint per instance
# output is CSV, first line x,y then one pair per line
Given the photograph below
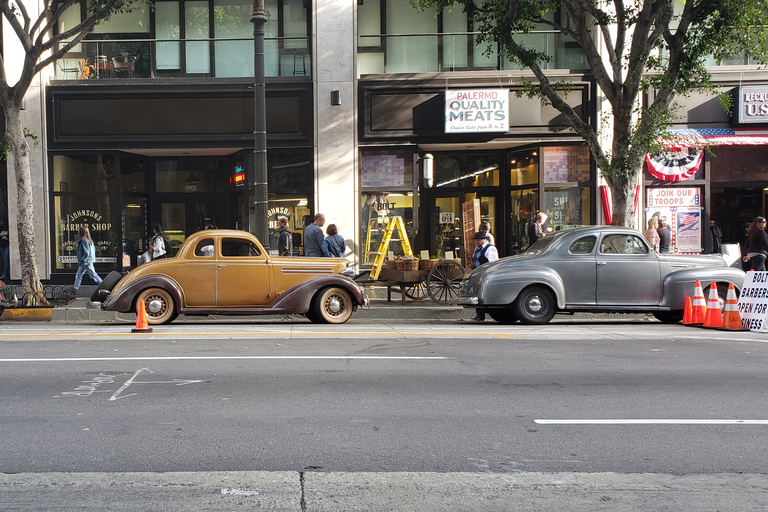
x,y
284,238
86,255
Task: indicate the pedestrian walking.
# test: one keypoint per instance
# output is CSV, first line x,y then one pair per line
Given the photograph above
x,y
536,230
284,238
485,252
758,244
86,256
333,245
159,242
313,237
665,236
4,249
651,234
715,237
485,227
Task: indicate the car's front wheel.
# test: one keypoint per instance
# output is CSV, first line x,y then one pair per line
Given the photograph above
x,y
535,305
332,306
503,316
669,317
158,304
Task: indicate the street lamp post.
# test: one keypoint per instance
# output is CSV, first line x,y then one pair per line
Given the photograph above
x,y
260,226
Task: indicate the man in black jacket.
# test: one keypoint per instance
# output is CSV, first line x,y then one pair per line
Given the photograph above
x,y
284,238
665,236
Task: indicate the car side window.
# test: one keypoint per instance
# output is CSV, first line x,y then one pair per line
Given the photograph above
x,y
622,244
583,245
205,248
238,248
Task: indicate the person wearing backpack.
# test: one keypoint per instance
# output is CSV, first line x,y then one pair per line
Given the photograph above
x,y
86,256
159,242
333,245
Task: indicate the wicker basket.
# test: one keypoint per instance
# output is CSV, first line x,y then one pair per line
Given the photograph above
x,y
427,264
408,265
391,264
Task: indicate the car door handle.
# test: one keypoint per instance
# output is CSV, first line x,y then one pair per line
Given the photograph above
x,y
602,262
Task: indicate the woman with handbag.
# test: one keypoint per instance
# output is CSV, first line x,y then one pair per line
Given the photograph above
x,y
86,256
333,245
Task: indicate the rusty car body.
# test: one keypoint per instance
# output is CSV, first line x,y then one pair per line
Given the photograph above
x,y
228,272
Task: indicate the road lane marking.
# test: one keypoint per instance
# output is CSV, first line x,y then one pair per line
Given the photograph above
x,y
118,394
650,422
213,358
262,334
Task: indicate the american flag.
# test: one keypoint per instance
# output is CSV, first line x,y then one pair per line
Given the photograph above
x,y
687,221
698,137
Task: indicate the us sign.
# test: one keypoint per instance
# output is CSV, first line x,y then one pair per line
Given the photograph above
x,y
476,110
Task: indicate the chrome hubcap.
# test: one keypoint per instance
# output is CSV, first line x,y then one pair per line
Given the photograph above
x,y
155,306
334,305
535,305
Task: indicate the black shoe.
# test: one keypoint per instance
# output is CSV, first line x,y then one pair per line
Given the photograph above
x,y
479,319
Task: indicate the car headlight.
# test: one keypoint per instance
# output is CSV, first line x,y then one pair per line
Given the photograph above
x,y
349,272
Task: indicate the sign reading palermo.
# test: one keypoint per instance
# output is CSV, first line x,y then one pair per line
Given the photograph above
x,y
476,110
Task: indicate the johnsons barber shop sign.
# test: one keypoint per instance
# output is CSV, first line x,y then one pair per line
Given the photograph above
x,y
476,110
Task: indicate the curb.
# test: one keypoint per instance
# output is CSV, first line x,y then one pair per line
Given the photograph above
x,y
28,314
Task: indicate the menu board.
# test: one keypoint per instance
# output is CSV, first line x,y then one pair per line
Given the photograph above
x,y
471,223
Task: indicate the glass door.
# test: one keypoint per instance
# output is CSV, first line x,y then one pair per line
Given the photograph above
x,y
447,222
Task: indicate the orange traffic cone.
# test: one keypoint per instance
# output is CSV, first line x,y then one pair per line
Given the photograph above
x,y
699,305
731,317
687,312
141,319
713,317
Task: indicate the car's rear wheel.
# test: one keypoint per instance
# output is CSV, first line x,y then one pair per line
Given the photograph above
x,y
158,304
503,316
722,295
535,305
107,283
333,306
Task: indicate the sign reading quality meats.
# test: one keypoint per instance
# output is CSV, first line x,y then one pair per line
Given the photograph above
x,y
476,110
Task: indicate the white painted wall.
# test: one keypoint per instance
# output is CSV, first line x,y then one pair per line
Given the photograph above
x,y
335,49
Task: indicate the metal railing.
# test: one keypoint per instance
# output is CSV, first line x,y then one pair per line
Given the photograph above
x,y
169,58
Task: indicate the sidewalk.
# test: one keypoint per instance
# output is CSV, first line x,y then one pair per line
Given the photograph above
x,y
378,308
80,311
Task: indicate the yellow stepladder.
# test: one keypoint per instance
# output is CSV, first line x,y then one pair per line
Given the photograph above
x,y
381,254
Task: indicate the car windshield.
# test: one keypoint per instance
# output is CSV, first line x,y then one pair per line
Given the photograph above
x,y
542,244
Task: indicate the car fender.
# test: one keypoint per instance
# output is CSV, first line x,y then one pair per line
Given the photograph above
x,y
681,284
124,300
502,288
299,298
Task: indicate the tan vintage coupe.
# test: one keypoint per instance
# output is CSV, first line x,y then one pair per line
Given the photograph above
x,y
228,272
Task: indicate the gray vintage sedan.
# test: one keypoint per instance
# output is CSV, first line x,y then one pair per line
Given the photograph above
x,y
595,268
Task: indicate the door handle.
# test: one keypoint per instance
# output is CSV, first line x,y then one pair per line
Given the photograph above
x,y
602,263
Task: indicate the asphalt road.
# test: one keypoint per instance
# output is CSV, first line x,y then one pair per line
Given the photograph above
x,y
446,401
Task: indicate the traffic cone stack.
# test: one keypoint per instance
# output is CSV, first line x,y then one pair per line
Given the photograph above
x,y
713,317
699,305
731,317
141,319
688,312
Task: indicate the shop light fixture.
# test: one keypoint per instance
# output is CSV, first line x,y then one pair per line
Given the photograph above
x,y
467,176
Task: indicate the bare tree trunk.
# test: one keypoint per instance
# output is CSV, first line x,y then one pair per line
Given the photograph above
x,y
25,227
624,190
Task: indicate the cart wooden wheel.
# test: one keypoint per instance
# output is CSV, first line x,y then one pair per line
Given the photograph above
x,y
415,291
443,281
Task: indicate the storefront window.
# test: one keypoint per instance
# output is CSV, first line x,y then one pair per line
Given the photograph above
x,y
84,173
97,212
524,206
386,168
188,175
296,210
523,167
466,170
378,208
567,174
85,192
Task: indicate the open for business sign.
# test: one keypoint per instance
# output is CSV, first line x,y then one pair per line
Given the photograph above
x,y
476,110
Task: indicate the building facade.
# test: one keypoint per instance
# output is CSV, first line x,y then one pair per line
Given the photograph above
x,y
150,120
